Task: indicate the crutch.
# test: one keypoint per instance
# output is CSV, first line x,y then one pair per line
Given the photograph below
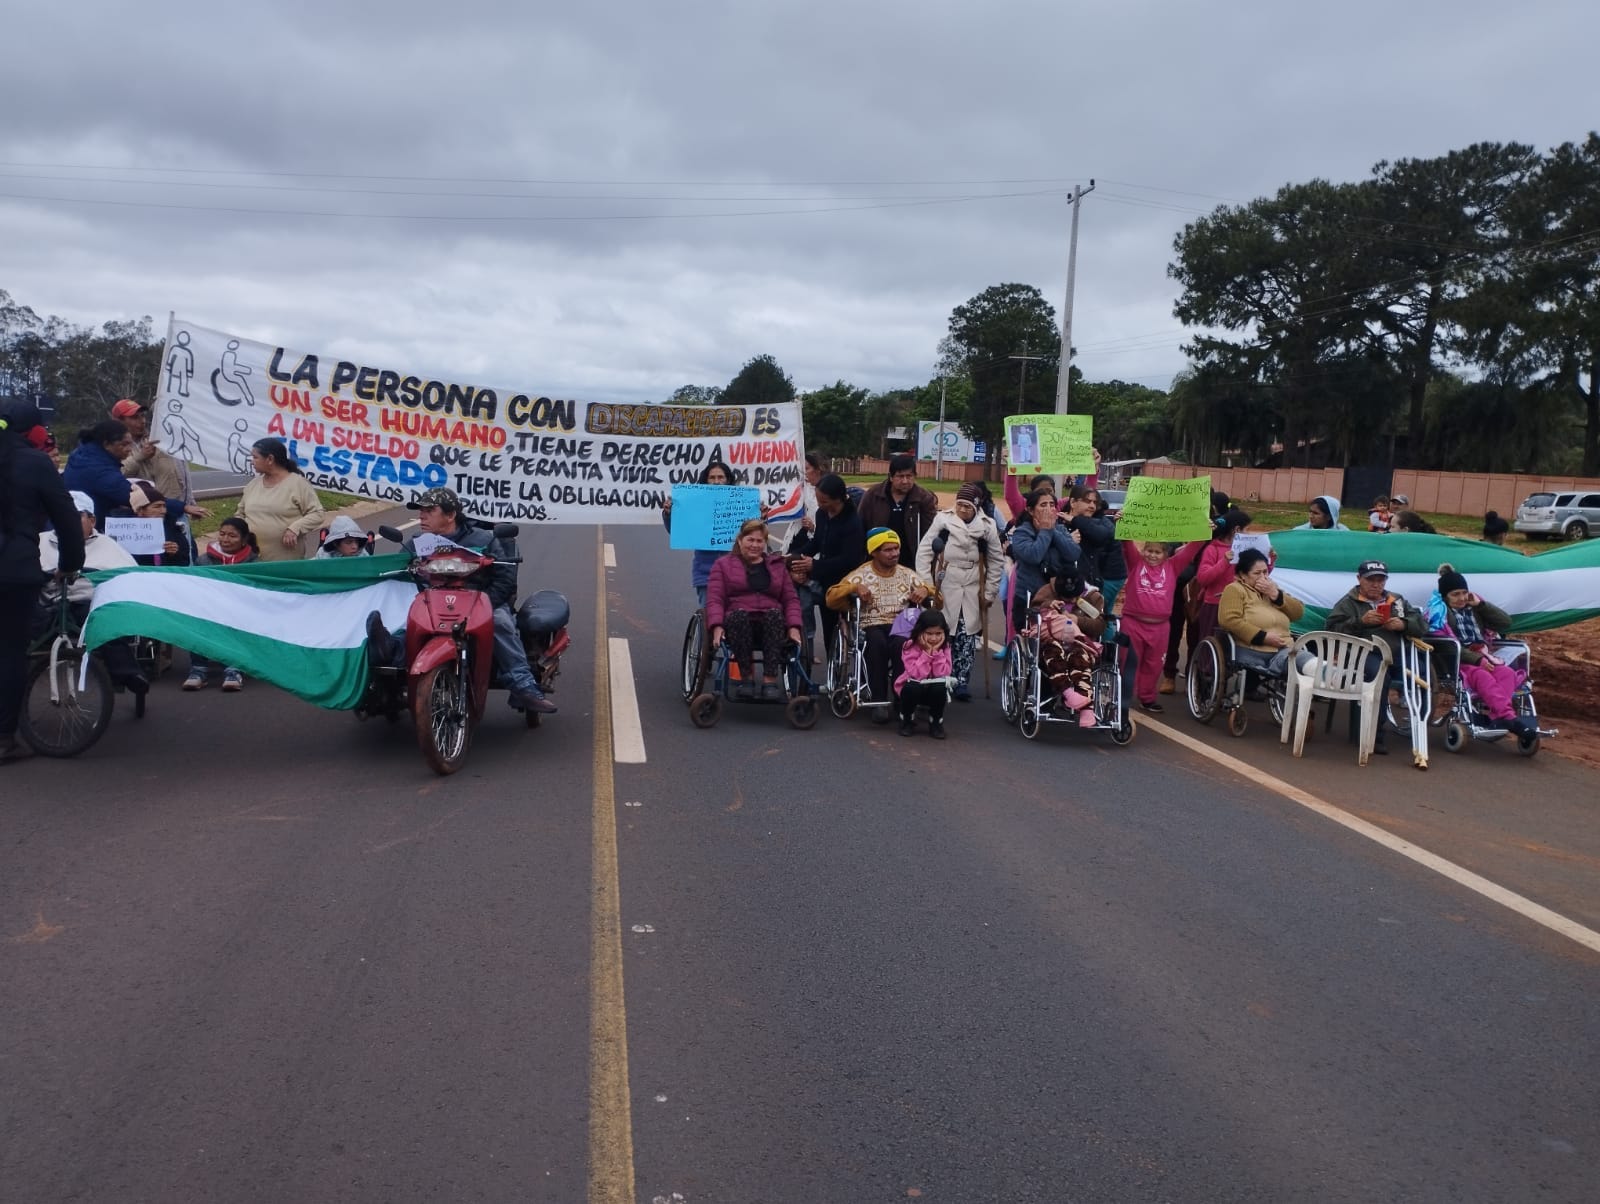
x,y
1416,682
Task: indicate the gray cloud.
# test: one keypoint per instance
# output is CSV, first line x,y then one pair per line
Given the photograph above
x,y
813,106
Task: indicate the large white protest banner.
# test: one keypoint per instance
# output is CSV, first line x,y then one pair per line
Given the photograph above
x,y
514,454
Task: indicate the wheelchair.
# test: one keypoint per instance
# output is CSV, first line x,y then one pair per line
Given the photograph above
x,y
1467,721
845,677
711,674
1027,701
1218,681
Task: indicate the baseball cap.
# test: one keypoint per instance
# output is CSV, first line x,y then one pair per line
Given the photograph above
x,y
82,502
144,493
127,408
444,499
1372,568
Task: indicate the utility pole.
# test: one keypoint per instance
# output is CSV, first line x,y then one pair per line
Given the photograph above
x,y
1022,384
938,473
1064,380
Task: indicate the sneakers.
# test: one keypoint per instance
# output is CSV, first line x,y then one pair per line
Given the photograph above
x,y
537,703
1154,708
232,681
936,728
908,727
1169,684
196,680
771,691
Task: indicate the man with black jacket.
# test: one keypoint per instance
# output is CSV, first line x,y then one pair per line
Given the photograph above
x,y
32,497
823,555
899,503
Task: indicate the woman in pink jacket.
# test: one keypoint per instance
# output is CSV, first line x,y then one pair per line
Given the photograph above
x,y
750,588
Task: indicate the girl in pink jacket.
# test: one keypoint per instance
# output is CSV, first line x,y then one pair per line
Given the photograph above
x,y
924,683
1147,609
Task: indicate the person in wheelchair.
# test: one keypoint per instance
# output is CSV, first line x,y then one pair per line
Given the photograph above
x,y
1072,594
749,590
99,552
1457,613
1257,612
886,587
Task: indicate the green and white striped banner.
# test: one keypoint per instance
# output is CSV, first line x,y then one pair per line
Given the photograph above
x,y
1552,589
301,625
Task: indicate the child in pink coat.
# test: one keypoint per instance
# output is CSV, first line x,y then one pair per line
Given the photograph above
x,y
927,661
1147,609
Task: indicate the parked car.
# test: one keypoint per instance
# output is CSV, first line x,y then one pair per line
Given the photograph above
x,y
1564,515
1113,498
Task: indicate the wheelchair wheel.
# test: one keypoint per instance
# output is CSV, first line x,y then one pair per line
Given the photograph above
x,y
1455,736
1207,674
71,721
801,712
1013,682
1528,743
694,651
705,710
1238,721
1029,722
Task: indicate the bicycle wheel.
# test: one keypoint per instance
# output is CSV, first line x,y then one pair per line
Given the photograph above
x,y
58,718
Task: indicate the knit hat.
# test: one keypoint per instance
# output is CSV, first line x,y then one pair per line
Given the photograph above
x,y
1450,579
879,536
970,492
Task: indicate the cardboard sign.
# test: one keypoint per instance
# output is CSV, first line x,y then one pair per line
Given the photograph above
x,y
138,536
1161,511
706,517
1058,444
1260,541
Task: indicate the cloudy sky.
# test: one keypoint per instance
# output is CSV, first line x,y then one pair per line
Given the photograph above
x,y
611,200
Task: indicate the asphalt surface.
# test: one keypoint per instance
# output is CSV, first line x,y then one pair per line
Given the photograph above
x,y
255,951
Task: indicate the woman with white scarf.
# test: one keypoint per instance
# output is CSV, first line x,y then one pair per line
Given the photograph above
x,y
961,552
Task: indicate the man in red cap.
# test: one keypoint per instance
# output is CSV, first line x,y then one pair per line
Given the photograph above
x,y
149,462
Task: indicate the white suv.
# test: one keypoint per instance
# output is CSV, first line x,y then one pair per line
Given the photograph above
x,y
1567,515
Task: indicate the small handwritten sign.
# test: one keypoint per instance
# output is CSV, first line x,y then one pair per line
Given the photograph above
x,y
1259,540
138,536
708,516
1157,510
1059,444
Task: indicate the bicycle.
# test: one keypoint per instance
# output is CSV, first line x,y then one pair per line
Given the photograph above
x,y
68,699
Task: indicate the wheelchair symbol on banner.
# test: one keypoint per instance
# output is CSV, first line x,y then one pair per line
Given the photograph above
x,y
230,383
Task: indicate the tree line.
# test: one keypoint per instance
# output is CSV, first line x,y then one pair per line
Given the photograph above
x,y
1442,313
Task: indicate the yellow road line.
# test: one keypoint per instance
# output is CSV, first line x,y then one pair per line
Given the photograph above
x,y
610,1105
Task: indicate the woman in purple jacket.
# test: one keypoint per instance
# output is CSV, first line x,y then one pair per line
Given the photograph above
x,y
750,588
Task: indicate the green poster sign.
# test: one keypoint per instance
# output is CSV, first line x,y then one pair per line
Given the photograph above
x,y
1157,510
1059,444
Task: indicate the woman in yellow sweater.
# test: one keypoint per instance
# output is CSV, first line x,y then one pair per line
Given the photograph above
x,y
279,503
1256,611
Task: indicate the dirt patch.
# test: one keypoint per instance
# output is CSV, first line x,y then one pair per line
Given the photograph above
x,y
1566,682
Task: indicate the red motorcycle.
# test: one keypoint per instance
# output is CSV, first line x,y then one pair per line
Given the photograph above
x,y
449,650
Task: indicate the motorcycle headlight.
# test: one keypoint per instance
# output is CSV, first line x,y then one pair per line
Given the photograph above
x,y
450,566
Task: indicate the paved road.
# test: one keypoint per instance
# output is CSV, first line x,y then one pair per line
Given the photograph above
x,y
255,951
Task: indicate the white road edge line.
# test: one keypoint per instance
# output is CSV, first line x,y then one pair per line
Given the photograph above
x,y
1493,891
627,734
611,555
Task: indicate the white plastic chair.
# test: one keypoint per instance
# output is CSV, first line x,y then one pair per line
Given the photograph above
x,y
1338,674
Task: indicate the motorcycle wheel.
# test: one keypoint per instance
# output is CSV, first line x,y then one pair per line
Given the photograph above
x,y
443,718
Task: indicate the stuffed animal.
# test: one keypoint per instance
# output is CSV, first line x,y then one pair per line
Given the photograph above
x,y
1067,658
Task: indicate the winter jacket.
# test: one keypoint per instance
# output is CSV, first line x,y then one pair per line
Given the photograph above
x,y
1101,560
1040,555
499,581
1345,617
100,552
1248,617
1149,593
167,474
837,545
728,588
1492,623
972,565
32,498
920,664
915,516
91,469
1215,571
1088,609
